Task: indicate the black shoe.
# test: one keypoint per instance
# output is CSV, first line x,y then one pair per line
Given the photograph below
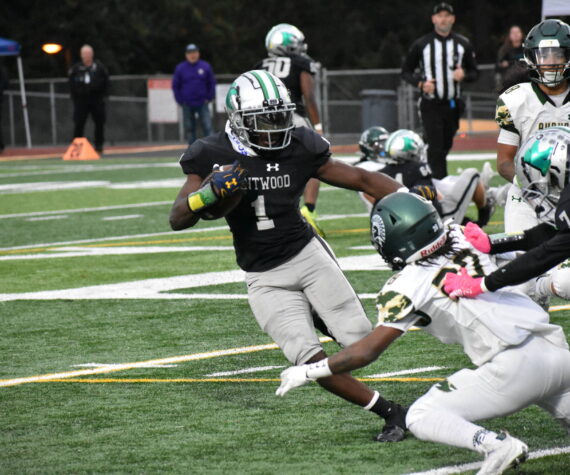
x,y
486,212
395,428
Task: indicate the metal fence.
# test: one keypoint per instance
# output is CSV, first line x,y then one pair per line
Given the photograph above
x,y
349,100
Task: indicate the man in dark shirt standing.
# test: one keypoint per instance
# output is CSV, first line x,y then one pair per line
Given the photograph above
x,y
89,84
445,60
194,87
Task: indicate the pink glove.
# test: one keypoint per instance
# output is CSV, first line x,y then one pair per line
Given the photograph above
x,y
477,237
463,285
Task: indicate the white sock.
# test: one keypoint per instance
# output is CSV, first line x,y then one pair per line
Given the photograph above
x,y
451,429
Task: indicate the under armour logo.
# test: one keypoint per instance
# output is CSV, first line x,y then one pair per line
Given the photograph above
x,y
274,167
516,198
232,182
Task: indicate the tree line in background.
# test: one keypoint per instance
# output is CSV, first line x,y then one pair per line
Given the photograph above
x,y
139,37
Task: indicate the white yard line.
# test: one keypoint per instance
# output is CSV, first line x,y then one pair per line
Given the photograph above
x,y
41,186
475,465
85,168
62,252
84,210
406,371
48,218
162,288
140,364
120,218
116,238
243,371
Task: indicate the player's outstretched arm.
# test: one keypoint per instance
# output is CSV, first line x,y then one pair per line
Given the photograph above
x,y
506,161
357,355
180,215
374,184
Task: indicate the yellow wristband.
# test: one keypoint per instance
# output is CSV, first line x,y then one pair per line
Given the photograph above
x,y
202,198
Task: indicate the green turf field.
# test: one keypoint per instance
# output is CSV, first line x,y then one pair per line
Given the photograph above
x,y
126,347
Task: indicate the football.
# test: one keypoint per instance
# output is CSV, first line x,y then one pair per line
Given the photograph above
x,y
224,205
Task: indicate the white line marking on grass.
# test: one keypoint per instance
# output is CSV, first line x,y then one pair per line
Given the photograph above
x,y
119,218
58,169
85,210
48,218
406,371
117,238
155,288
243,371
61,252
50,186
141,364
475,465
113,365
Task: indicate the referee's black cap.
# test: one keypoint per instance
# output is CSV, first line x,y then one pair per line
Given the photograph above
x,y
440,7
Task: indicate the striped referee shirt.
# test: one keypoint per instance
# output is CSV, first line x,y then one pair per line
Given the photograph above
x,y
436,57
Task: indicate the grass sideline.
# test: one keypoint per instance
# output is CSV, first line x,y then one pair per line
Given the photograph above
x,y
189,421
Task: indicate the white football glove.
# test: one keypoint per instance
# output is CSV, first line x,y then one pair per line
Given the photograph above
x,y
291,378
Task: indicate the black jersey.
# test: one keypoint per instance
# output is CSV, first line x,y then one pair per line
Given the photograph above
x,y
289,69
267,227
547,247
409,174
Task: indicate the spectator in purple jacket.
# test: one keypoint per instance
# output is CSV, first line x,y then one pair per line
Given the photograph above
x,y
194,87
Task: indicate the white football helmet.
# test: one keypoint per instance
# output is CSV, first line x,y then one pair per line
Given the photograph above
x,y
260,111
285,39
542,167
406,146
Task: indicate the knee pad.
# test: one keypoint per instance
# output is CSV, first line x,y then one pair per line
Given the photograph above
x,y
561,280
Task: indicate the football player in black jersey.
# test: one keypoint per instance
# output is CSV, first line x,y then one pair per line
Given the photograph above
x,y
402,155
289,269
542,167
288,60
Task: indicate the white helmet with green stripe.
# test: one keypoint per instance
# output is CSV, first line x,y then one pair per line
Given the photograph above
x,y
285,39
405,145
260,111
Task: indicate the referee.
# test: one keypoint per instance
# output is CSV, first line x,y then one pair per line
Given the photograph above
x,y
437,64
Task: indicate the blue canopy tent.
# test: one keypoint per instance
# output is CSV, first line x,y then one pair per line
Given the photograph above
x,y
13,48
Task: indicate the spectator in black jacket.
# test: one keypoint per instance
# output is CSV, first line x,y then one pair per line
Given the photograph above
x,y
444,60
89,85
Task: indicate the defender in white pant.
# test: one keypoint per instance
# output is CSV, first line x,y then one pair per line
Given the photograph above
x,y
505,334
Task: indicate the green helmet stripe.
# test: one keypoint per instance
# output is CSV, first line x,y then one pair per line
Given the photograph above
x,y
267,84
539,159
261,83
275,89
232,92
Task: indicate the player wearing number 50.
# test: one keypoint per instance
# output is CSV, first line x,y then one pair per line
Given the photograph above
x,y
520,358
289,269
288,60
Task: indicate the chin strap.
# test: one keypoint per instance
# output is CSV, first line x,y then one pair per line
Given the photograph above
x,y
236,143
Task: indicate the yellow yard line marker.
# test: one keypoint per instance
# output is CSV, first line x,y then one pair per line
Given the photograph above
x,y
140,364
212,380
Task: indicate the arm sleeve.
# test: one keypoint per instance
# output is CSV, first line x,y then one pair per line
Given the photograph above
x,y
524,241
503,117
411,62
533,263
404,324
508,138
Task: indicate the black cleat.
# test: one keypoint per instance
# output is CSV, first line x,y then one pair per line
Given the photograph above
x,y
395,428
391,433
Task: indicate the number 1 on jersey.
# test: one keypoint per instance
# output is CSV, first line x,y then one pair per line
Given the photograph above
x,y
263,222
